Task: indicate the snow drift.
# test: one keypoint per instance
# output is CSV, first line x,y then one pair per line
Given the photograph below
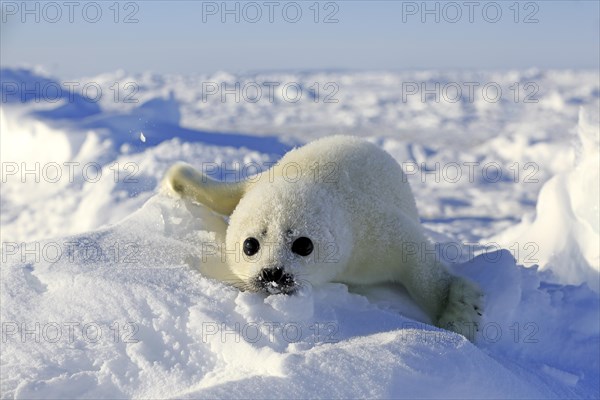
x,y
124,312
565,233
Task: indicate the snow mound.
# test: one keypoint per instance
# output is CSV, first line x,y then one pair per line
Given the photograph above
x,y
59,179
564,237
127,312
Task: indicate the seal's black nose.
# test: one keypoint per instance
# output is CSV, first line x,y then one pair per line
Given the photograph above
x,y
272,275
275,280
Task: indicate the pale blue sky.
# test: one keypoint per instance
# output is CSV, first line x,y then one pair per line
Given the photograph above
x,y
375,35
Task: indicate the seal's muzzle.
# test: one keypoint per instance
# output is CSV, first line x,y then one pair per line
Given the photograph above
x,y
275,281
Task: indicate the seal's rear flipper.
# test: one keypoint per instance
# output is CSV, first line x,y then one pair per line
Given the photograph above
x,y
221,197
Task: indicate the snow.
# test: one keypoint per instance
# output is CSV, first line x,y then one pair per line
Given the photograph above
x,y
106,291
566,226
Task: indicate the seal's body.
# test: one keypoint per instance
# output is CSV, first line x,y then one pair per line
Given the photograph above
x,y
338,209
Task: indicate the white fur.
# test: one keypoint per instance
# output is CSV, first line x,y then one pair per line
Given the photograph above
x,y
353,201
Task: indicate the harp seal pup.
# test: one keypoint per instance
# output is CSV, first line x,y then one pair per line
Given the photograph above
x,y
338,209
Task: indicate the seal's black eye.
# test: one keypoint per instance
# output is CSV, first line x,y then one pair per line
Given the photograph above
x,y
302,246
251,246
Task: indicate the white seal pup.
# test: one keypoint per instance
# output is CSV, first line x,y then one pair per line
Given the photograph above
x,y
339,209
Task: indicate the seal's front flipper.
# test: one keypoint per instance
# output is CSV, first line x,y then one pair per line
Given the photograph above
x,y
463,309
221,197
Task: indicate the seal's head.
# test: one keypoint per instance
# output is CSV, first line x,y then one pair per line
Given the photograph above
x,y
287,236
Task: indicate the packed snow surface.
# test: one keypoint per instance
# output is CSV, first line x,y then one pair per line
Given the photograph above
x,y
103,293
